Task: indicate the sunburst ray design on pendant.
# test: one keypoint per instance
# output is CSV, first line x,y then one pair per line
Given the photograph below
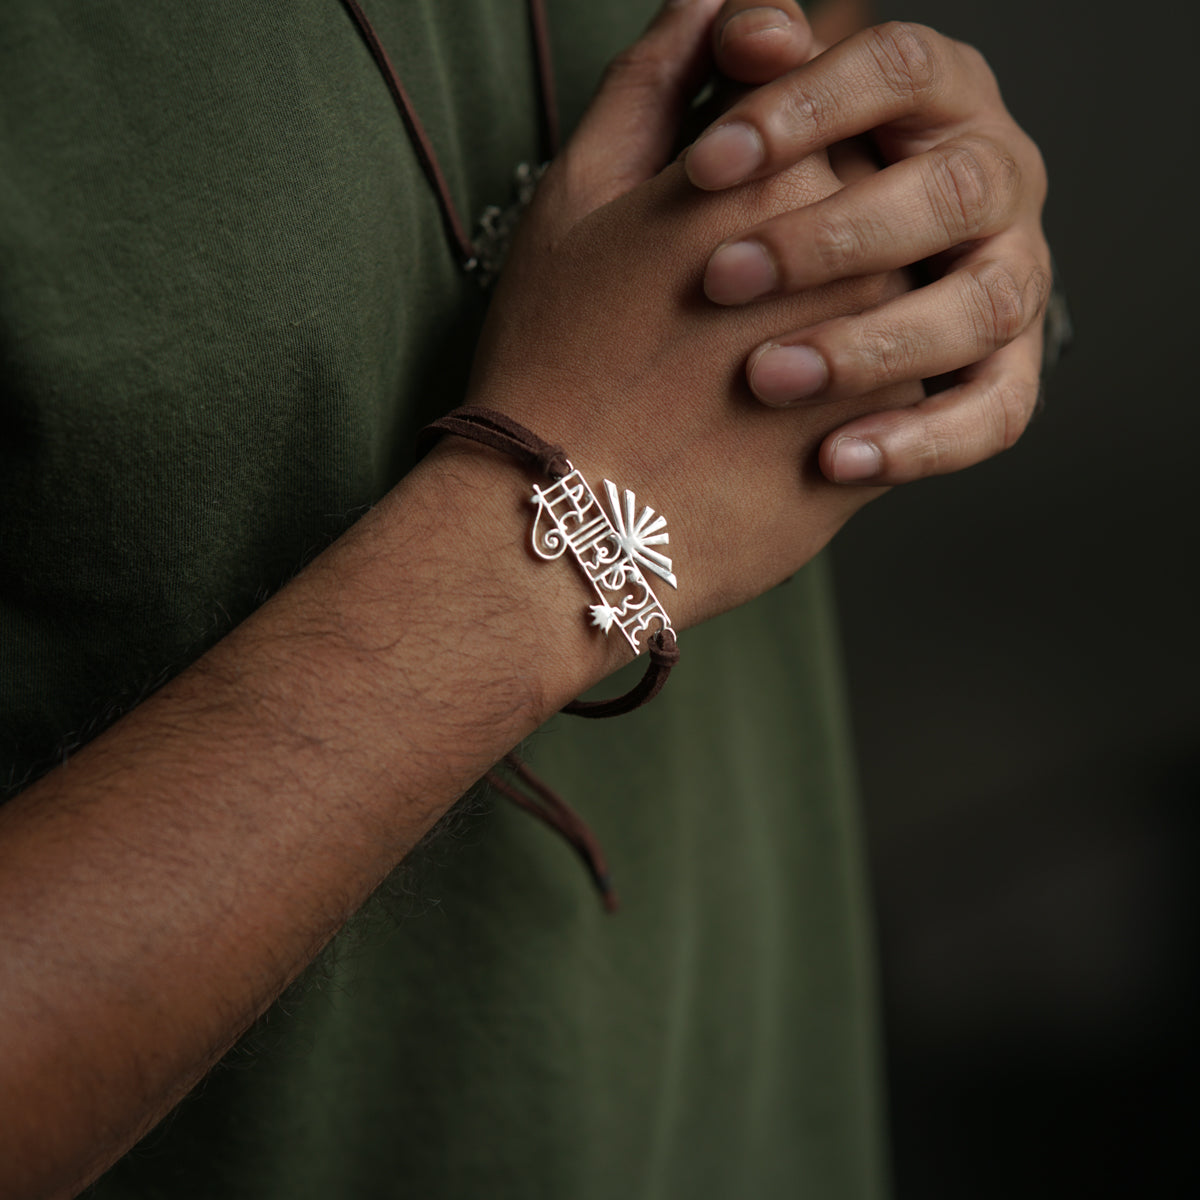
x,y
615,552
636,535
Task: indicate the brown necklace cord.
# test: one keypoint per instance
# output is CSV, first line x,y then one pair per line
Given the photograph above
x,y
547,95
548,806
499,432
456,228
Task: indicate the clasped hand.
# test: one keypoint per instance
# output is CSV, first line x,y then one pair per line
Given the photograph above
x,y
962,192
654,315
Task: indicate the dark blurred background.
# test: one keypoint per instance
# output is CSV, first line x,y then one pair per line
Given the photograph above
x,y
1022,651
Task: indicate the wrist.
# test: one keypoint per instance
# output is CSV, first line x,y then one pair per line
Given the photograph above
x,y
519,618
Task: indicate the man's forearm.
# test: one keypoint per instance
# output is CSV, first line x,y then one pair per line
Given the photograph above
x,y
162,887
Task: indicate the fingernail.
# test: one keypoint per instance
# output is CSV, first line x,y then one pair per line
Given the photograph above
x,y
855,460
782,375
725,156
754,21
738,273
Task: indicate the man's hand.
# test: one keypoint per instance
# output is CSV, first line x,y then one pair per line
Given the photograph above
x,y
601,340
962,193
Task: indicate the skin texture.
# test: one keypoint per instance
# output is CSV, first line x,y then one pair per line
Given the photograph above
x,y
962,194
165,885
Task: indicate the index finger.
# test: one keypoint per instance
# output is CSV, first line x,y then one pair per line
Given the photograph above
x,y
895,74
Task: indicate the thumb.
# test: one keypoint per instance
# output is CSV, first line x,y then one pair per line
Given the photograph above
x,y
631,129
756,43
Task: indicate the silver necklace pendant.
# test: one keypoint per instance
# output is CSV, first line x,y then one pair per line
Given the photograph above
x,y
497,226
614,549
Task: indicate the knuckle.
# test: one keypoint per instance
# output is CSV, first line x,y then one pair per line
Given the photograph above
x,y
908,59
998,304
886,353
1036,293
963,189
1006,175
808,113
839,245
931,456
1011,407
929,447
1039,288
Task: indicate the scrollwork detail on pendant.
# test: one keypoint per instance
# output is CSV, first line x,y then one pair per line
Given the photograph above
x,y
614,548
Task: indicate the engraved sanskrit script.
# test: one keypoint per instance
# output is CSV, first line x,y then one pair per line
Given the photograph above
x,y
614,549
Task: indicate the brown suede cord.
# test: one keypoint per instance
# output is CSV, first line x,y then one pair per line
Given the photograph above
x,y
498,432
663,651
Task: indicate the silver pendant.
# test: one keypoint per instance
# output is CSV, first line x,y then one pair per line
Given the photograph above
x,y
613,551
497,226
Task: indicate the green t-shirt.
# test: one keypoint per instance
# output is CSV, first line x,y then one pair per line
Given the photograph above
x,y
227,303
